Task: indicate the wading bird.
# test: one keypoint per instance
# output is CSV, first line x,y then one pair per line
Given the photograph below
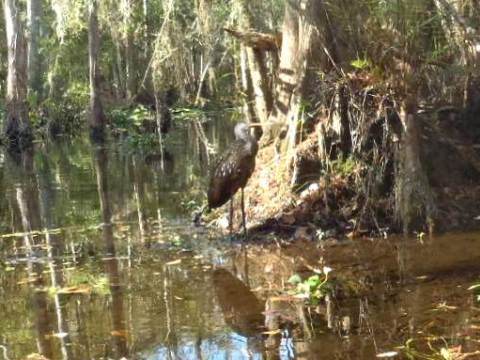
x,y
233,171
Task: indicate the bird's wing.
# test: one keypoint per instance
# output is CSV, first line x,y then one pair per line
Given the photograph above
x,y
229,168
226,177
228,165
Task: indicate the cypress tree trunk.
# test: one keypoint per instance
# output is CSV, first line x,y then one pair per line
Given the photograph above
x,y
16,128
261,95
287,76
414,204
97,116
301,38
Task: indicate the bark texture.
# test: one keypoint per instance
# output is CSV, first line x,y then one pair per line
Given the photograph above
x,y
259,92
301,40
414,203
17,130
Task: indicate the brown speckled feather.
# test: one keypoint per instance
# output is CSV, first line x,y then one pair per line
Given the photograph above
x,y
232,172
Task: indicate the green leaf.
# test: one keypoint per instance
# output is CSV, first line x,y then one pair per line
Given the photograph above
x,y
295,279
360,64
313,281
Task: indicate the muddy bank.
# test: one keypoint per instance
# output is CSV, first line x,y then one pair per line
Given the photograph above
x,y
309,198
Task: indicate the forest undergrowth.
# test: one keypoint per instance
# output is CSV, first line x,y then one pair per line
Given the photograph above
x,y
305,199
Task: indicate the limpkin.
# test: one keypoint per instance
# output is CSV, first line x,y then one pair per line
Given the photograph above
x,y
233,170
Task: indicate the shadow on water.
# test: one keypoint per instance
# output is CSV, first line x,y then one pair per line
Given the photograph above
x,y
98,260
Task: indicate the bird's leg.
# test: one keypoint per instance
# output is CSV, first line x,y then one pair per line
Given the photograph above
x,y
243,216
197,217
230,223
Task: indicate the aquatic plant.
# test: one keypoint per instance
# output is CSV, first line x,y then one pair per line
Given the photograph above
x,y
126,118
314,288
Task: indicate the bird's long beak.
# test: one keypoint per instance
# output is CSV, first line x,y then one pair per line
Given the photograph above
x,y
254,125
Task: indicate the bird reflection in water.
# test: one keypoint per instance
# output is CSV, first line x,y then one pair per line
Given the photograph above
x,y
242,311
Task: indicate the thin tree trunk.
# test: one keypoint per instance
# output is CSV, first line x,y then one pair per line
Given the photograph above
x,y
55,81
247,87
117,86
129,70
97,116
343,121
205,13
117,66
17,129
146,36
121,78
34,16
129,51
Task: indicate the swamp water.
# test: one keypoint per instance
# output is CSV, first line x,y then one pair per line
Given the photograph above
x,y
98,260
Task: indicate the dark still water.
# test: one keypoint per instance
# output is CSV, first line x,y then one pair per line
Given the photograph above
x,y
98,260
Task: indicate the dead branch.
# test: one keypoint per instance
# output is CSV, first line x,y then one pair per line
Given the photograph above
x,y
256,40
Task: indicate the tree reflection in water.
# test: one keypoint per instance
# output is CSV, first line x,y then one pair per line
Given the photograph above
x,y
70,215
119,330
